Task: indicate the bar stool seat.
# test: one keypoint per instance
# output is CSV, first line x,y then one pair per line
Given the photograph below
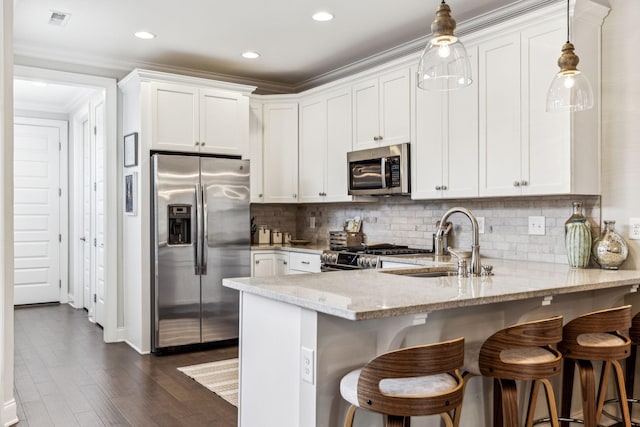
x,y
522,352
630,371
594,337
413,381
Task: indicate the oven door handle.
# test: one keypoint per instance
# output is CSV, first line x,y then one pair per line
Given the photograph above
x,y
383,171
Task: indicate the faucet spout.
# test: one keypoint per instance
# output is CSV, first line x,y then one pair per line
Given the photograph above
x,y
476,267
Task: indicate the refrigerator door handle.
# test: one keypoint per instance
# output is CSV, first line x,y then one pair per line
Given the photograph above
x,y
198,245
205,233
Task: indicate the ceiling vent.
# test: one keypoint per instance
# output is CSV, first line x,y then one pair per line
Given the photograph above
x,y
59,19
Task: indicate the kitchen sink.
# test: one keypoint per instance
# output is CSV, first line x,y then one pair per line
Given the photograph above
x,y
422,272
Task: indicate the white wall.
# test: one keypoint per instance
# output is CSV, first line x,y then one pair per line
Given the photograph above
x,y
620,124
8,413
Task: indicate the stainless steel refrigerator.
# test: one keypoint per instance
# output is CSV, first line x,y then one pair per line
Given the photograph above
x,y
200,235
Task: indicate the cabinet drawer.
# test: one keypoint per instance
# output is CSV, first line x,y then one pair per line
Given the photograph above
x,y
307,262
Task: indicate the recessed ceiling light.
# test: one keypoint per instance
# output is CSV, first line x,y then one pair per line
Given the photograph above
x,y
322,16
144,35
250,55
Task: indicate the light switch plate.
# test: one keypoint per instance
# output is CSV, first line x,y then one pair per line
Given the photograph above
x,y
307,365
480,220
537,225
634,228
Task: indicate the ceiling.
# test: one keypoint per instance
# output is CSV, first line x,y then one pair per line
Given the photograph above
x,y
209,36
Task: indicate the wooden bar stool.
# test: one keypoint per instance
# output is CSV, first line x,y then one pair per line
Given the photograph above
x,y
522,352
414,381
594,337
630,370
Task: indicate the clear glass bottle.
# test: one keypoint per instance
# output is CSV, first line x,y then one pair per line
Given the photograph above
x,y
610,250
578,238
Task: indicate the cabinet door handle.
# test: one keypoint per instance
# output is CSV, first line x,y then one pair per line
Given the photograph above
x,y
305,262
375,138
516,183
524,183
380,138
260,195
295,196
197,143
438,187
284,262
202,144
257,261
444,187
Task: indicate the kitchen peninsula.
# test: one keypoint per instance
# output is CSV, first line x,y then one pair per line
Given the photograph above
x,y
300,334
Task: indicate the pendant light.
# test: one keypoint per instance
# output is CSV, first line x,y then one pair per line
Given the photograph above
x,y
444,64
570,89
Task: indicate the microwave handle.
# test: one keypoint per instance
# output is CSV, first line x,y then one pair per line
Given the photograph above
x,y
383,171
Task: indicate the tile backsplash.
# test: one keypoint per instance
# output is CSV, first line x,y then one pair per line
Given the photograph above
x,y
403,221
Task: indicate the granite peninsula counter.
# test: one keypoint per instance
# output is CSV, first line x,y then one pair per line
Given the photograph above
x,y
300,334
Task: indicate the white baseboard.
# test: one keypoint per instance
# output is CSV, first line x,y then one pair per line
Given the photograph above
x,y
9,413
121,334
136,348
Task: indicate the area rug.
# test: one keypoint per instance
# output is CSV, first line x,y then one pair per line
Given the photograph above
x,y
220,377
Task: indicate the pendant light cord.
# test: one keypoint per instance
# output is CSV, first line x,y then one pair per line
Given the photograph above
x,y
567,21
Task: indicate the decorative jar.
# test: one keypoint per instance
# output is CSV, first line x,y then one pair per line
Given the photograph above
x,y
610,250
578,238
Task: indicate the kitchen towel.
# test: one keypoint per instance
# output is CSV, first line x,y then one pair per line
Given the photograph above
x,y
220,377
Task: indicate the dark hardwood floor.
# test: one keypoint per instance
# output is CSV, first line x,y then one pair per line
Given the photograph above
x,y
65,375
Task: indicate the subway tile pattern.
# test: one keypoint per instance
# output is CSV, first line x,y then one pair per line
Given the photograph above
x,y
401,220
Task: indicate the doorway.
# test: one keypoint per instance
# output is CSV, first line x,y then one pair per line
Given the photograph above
x,y
92,227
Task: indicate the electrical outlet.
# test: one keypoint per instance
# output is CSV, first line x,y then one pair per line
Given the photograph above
x,y
634,228
307,365
480,220
537,225
312,222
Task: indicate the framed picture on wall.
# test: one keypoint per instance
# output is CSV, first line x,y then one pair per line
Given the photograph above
x,y
131,150
130,193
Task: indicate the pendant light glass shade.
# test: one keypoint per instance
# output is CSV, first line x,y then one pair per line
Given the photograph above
x,y
444,64
570,89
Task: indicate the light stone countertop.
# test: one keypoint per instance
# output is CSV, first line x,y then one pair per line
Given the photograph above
x,y
370,294
291,248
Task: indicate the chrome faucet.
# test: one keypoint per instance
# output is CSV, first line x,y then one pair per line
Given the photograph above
x,y
476,267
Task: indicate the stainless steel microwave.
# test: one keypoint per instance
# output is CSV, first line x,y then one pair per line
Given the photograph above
x,y
379,171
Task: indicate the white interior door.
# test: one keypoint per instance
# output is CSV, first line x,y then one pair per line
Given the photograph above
x,y
37,230
86,217
99,215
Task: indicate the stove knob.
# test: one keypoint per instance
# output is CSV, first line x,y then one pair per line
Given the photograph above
x,y
373,262
334,258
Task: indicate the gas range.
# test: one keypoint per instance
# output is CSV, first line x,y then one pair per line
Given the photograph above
x,y
365,257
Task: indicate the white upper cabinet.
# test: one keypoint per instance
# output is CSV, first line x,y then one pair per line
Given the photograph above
x,y
193,119
325,139
500,127
445,152
525,150
255,152
280,152
382,110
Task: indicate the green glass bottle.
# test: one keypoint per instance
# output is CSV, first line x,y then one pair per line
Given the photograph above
x,y
578,238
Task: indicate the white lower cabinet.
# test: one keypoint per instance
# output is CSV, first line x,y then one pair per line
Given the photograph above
x,y
267,264
304,262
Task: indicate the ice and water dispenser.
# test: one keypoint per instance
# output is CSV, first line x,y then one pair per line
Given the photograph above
x,y
179,225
